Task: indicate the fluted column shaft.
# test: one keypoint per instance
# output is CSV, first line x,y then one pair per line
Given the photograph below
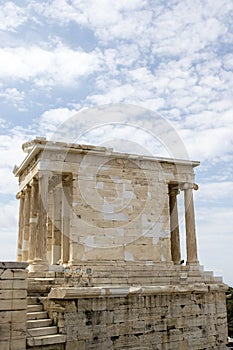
x,y
21,197
56,224
174,224
66,212
26,215
49,227
33,219
191,243
40,261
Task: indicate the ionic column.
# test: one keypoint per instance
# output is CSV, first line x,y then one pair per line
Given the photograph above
x,y
73,238
191,243
174,224
66,209
40,262
20,196
49,227
26,214
33,219
56,224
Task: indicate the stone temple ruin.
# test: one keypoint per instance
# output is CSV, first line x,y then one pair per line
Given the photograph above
x,y
99,233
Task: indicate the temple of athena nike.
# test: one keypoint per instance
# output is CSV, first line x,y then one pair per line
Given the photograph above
x,y
99,246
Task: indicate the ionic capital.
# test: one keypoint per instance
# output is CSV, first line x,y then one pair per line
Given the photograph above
x,y
188,186
20,195
33,182
67,179
27,188
174,190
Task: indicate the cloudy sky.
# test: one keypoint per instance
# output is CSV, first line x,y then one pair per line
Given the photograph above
x,y
173,57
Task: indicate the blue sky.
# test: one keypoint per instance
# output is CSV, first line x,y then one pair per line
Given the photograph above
x,y
172,57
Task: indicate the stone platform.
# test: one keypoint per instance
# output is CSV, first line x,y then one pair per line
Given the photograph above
x,y
178,309
143,317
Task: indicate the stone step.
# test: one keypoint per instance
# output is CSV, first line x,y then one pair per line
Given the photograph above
x,y
33,301
37,315
36,332
46,340
39,323
40,331
34,308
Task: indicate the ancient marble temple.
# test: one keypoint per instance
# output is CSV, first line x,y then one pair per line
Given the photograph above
x,y
83,203
113,218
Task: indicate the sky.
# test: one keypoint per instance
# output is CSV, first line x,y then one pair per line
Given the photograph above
x,y
174,58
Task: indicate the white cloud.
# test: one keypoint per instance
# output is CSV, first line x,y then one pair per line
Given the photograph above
x,y
215,240
52,118
12,95
10,145
48,67
115,94
9,247
8,183
208,144
168,29
97,14
11,141
9,228
11,16
3,123
60,10
125,56
215,224
9,215
228,61
219,193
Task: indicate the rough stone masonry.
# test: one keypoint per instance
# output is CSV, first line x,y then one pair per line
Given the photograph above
x,y
100,232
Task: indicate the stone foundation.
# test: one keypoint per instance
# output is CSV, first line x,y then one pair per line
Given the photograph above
x,y
180,316
145,318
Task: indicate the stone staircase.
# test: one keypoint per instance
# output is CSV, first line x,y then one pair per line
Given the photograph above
x,y
40,330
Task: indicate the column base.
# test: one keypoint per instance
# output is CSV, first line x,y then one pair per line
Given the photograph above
x,y
30,262
38,265
73,263
193,265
